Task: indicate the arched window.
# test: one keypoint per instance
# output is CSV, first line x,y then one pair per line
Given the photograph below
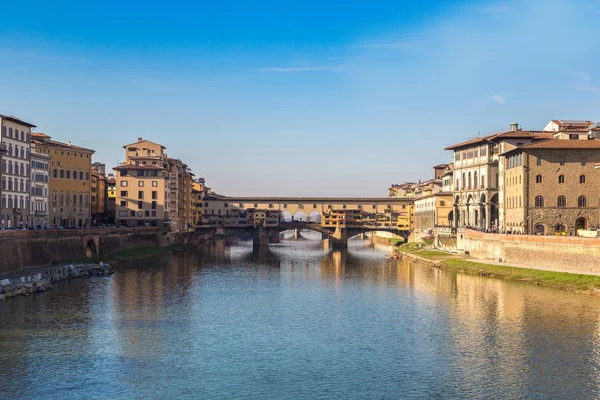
x,y
538,179
483,181
561,201
469,186
560,228
582,179
540,229
581,201
464,181
561,179
10,135
475,180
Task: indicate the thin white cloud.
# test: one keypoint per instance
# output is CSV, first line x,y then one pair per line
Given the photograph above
x,y
300,69
583,82
499,99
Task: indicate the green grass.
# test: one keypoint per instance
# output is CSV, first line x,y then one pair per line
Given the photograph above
x,y
432,253
396,241
410,247
561,280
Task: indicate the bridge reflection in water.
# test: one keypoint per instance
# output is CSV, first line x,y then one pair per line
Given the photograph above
x,y
266,321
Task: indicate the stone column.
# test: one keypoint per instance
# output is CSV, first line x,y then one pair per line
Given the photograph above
x,y
488,216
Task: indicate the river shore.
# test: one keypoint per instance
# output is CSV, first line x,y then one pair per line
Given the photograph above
x,y
581,283
40,279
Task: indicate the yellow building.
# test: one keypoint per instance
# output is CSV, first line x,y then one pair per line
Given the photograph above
x,y
70,181
111,198
175,205
98,195
141,185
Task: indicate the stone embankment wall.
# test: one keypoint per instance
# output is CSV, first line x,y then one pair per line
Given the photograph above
x,y
22,249
32,282
571,254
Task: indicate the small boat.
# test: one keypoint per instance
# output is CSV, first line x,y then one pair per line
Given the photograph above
x,y
394,256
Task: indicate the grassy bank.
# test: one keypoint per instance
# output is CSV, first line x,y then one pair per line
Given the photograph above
x,y
559,280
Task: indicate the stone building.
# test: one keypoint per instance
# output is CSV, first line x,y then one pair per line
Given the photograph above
x,y
15,142
552,186
40,188
111,198
141,185
430,211
70,178
172,203
98,193
477,181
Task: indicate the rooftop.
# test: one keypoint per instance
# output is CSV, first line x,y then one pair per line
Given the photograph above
x,y
16,120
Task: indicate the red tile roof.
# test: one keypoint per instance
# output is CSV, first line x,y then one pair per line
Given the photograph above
x,y
559,144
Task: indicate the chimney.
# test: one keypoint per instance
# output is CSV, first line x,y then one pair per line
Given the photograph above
x,y
140,139
514,127
69,142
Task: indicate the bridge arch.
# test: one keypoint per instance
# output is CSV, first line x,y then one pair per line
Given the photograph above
x,y
90,249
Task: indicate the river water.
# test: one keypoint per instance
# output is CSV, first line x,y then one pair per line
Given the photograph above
x,y
297,321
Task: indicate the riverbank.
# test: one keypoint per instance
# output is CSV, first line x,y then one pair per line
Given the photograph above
x,y
548,278
40,279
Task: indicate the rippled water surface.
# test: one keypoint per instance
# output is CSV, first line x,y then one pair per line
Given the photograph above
x,y
297,321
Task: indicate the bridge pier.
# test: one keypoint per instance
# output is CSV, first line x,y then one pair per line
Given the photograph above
x,y
260,237
297,233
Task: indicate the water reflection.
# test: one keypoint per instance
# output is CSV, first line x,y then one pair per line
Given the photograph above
x,y
297,320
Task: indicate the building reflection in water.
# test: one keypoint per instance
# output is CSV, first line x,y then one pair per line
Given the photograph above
x,y
461,330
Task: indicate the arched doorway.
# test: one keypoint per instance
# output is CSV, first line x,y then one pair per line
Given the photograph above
x,y
581,223
560,229
90,249
540,229
469,221
494,211
450,218
482,220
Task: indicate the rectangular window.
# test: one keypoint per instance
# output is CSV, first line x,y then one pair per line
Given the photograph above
x,y
123,204
122,213
140,183
154,195
539,161
140,172
68,174
140,205
123,193
123,183
123,172
153,213
62,173
140,194
154,205
154,183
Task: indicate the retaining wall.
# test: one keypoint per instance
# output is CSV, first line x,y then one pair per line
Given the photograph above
x,y
571,254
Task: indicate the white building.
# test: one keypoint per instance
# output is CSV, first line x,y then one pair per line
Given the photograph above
x,y
15,140
40,177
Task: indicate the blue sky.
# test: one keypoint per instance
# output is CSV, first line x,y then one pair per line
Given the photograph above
x,y
321,98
